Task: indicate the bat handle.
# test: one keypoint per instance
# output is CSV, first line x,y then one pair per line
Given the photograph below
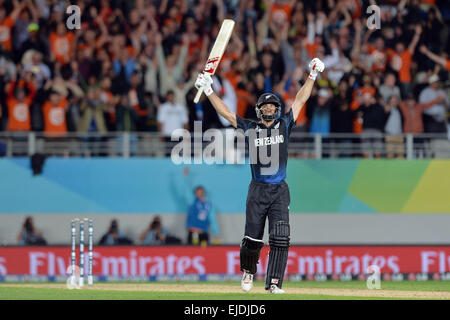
x,y
198,95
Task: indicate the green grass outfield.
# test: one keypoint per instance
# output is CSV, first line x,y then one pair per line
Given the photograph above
x,y
306,290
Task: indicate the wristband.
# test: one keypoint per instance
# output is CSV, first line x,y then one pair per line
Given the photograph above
x,y
208,90
313,75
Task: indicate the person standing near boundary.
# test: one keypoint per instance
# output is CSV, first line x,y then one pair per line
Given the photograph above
x,y
268,194
201,215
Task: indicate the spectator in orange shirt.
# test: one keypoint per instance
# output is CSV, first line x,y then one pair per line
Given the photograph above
x,y
232,53
401,62
379,55
412,113
438,59
54,110
366,87
355,8
354,106
7,23
19,105
234,74
412,118
61,44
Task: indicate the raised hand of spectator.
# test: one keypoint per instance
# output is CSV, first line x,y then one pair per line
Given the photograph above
x,y
418,29
48,84
423,49
30,5
17,4
185,39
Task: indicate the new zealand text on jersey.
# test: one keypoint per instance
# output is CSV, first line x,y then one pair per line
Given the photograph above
x,y
259,142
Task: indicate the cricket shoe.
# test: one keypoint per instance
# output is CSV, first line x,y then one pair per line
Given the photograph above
x,y
275,290
247,281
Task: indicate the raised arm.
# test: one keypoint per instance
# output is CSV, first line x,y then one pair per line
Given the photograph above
x,y
357,40
18,6
181,61
205,81
415,40
440,60
315,66
426,105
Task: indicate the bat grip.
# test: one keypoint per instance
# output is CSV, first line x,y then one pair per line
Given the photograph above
x,y
198,95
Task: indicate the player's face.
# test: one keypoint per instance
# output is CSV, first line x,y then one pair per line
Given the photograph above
x,y
268,109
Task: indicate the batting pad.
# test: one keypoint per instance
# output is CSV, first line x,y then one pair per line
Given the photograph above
x,y
249,255
278,255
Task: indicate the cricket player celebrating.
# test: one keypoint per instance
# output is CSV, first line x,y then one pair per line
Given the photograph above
x,y
268,194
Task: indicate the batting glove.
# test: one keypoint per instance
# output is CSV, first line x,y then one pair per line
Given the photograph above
x,y
315,66
204,81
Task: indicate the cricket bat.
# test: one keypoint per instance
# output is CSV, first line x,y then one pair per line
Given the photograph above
x,y
217,51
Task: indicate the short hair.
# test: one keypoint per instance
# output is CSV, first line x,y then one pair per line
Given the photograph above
x,y
199,187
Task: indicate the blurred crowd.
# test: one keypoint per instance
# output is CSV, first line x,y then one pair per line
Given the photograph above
x,y
131,64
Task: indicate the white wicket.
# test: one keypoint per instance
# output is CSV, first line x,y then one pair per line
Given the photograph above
x,y
91,234
90,252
